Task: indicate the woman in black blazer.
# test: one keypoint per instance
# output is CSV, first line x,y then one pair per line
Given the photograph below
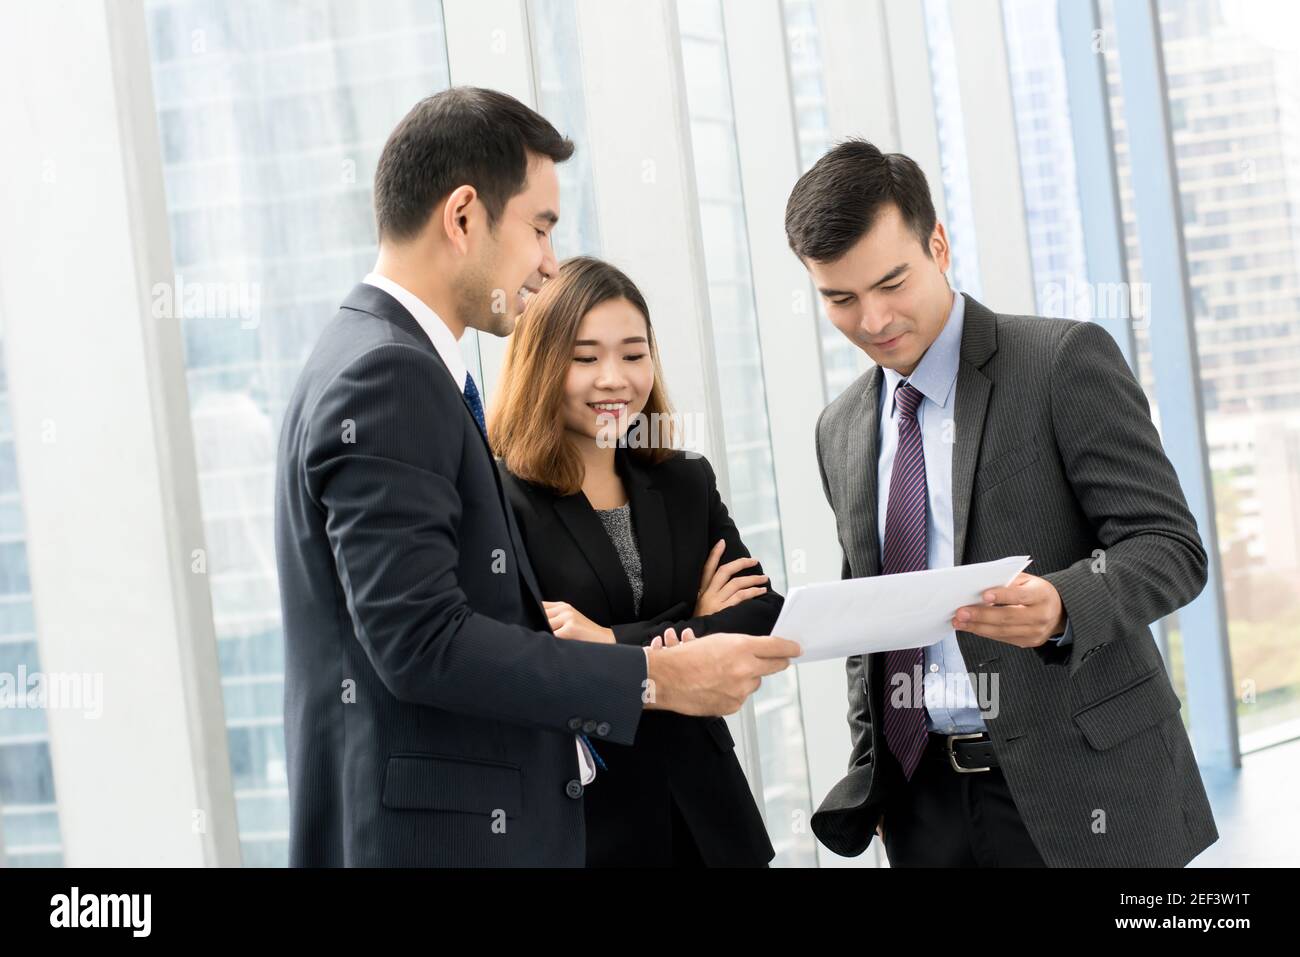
x,y
629,538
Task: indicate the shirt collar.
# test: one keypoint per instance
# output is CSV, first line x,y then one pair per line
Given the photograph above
x,y
935,374
439,333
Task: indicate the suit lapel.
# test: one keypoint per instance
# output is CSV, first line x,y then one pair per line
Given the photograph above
x,y
373,300
650,518
863,459
378,303
593,541
516,539
654,541
863,453
978,343
517,543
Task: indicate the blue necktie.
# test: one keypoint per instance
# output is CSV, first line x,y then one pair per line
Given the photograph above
x,y
475,403
905,551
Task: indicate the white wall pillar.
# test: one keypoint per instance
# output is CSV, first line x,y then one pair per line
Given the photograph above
x,y
993,157
914,104
105,452
858,71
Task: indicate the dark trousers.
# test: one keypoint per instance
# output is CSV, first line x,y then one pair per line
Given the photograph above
x,y
944,818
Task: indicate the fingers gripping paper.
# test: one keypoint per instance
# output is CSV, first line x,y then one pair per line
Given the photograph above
x,y
861,615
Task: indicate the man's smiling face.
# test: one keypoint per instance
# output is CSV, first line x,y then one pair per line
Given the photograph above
x,y
885,294
516,257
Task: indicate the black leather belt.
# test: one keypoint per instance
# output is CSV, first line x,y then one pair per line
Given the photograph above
x,y
965,753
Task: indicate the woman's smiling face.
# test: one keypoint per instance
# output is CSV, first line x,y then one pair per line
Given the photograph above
x,y
611,372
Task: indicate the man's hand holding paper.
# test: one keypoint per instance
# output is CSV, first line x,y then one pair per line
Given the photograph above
x,y
862,615
1025,613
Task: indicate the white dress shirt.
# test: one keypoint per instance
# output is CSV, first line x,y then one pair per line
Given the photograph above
x,y
444,340
439,333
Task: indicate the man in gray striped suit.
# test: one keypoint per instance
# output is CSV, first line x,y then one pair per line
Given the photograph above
x,y
1043,730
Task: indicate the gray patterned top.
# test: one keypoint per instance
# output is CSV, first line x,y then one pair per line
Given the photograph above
x,y
618,525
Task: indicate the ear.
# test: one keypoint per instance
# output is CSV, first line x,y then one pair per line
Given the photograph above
x,y
459,211
940,250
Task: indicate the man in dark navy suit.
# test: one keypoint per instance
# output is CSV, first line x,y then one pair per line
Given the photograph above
x,y
431,718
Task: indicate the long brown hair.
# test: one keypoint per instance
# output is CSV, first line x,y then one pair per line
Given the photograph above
x,y
525,425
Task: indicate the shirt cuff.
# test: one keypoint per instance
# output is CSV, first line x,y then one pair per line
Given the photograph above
x,y
585,763
1064,638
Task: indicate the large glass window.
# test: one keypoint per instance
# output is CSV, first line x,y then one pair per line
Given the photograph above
x,y
842,361
1047,162
1042,114
1233,75
557,65
1171,641
29,818
1233,80
272,117
753,499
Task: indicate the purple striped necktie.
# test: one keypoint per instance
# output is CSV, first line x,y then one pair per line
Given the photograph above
x,y
905,551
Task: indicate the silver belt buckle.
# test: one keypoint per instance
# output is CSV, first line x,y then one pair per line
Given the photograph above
x,y
952,756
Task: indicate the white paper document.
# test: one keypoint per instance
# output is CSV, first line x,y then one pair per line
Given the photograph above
x,y
861,615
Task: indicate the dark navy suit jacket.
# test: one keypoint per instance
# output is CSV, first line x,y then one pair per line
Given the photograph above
x,y
429,713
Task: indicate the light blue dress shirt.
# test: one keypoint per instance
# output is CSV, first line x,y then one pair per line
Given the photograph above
x,y
951,704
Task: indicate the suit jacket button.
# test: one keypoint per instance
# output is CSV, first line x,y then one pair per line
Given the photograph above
x,y
574,788
602,729
575,724
588,727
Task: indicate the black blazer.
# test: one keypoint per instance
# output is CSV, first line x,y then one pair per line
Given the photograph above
x,y
677,515
429,712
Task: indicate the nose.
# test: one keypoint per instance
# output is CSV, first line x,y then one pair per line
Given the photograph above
x,y
610,374
550,265
874,319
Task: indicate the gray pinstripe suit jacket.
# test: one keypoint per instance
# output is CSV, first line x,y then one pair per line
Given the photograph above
x,y
1055,457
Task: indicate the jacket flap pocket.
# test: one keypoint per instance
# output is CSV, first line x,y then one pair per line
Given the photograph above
x,y
1005,465
428,782
1146,702
717,727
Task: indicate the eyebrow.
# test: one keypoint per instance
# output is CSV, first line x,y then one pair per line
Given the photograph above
x,y
548,216
592,342
892,274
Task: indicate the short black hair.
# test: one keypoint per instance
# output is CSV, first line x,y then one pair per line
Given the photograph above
x,y
836,202
463,135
